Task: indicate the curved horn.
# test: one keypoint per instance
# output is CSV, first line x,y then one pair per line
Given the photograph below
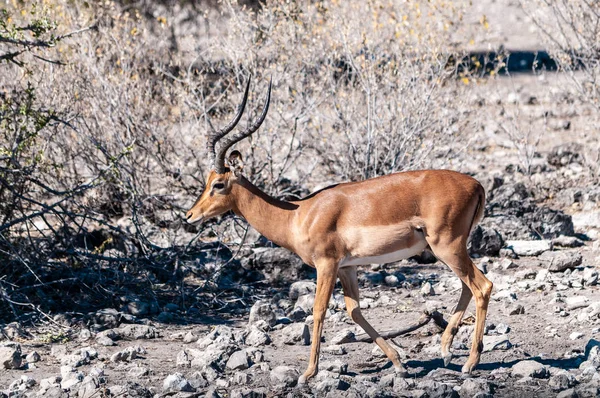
x,y
214,137
232,139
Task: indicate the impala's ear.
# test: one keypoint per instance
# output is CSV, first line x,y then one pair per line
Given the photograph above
x,y
235,163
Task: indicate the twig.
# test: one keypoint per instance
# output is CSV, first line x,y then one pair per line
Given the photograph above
x,y
425,318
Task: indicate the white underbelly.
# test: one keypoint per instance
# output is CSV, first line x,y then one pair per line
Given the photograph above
x,y
387,257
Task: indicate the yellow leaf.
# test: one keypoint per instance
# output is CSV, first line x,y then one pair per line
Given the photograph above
x,y
465,80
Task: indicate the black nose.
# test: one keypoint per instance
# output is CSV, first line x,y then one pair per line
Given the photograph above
x,y
189,215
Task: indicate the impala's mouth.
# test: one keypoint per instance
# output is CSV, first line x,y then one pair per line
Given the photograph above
x,y
194,220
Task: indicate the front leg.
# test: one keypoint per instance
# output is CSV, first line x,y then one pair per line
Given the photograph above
x,y
326,277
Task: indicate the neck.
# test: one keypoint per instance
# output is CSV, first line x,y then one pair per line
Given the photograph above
x,y
269,216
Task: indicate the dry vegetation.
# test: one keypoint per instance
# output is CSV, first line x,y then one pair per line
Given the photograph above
x,y
105,106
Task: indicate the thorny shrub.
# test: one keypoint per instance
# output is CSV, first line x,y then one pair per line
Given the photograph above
x,y
104,110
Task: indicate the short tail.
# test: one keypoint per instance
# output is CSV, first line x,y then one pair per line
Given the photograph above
x,y
479,209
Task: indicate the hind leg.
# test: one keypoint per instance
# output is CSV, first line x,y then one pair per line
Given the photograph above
x,y
349,282
454,254
452,328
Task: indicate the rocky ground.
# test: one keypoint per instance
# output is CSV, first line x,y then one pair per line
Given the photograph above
x,y
538,244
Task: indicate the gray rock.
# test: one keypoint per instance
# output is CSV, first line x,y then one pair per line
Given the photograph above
x,y
33,357
301,288
306,302
297,314
197,380
88,388
296,333
435,389
491,343
126,355
21,384
529,247
392,280
344,336
334,366
257,337
530,368
137,371
176,382
262,311
137,332
567,241
190,338
325,386
250,393
562,381
427,289
10,356
576,302
284,376
570,393
516,310
183,359
239,360
475,387
485,241
334,349
560,261
590,277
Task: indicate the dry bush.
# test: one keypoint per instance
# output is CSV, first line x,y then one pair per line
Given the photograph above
x,y
109,125
571,30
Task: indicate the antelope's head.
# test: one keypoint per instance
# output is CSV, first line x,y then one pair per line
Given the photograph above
x,y
217,197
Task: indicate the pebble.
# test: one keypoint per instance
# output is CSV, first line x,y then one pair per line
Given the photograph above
x,y
560,261
10,356
262,310
529,368
296,333
286,376
576,335
239,360
427,289
529,247
301,288
176,382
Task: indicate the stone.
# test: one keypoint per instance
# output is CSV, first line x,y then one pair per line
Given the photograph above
x,y
436,389
297,314
137,371
33,357
250,393
559,261
334,349
176,382
190,338
474,387
257,337
427,289
507,264
576,335
126,355
88,388
576,302
392,280
570,393
492,343
105,341
529,368
517,310
325,386
262,311
183,359
301,288
306,302
238,361
485,241
21,384
529,247
10,356
286,376
567,241
334,366
590,277
296,333
344,336
562,381
137,332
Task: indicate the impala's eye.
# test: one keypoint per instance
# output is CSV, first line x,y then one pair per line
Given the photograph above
x,y
219,185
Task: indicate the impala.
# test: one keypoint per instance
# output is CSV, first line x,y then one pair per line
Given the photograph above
x,y
334,230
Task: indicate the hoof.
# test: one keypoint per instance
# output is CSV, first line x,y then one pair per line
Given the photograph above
x,y
467,369
447,359
400,371
301,381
